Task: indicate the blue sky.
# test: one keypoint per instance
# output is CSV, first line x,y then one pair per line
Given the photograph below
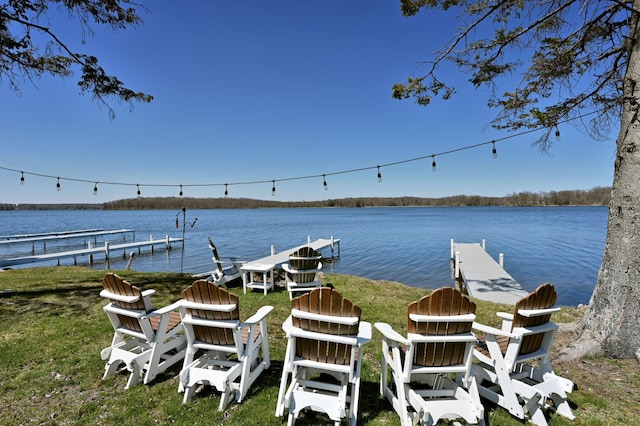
x,y
260,91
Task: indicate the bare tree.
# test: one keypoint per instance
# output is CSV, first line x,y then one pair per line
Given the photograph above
x,y
576,59
24,22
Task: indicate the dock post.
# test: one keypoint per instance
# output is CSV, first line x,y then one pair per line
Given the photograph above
x,y
106,250
273,249
331,245
484,244
90,246
308,239
501,260
457,265
452,253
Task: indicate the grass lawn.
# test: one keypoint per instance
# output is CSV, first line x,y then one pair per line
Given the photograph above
x,y
53,329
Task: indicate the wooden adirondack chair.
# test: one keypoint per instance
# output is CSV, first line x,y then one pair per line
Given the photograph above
x,y
321,369
221,351
417,371
514,369
145,340
224,273
301,271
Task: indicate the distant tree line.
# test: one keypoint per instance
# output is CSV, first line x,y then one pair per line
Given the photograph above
x,y
598,196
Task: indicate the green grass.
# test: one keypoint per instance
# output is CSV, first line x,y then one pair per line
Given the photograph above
x,y
53,329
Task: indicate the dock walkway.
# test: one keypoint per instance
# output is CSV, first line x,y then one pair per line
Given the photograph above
x,y
63,235
106,250
483,277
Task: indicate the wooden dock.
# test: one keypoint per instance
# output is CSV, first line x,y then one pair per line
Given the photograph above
x,y
62,235
482,276
106,249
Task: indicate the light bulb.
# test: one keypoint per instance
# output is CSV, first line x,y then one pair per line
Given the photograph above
x,y
181,190
557,134
433,164
226,192
273,189
138,193
494,151
58,185
21,178
379,175
95,189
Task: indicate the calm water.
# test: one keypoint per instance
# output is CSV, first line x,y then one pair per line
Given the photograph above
x,y
561,245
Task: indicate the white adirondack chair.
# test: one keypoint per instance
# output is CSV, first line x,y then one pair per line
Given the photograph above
x,y
321,369
145,340
301,271
224,272
222,351
514,369
417,371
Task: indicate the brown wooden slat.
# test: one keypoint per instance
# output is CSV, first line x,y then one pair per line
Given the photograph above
x,y
543,297
203,291
326,301
442,302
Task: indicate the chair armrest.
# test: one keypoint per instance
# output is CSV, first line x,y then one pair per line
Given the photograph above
x,y
258,316
537,312
146,293
492,330
505,316
120,298
390,334
364,332
166,309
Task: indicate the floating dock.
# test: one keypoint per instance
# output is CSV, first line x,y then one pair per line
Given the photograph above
x,y
483,277
106,249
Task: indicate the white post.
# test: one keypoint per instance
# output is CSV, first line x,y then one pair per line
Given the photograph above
x,y
331,244
484,244
457,263
106,250
273,249
452,254
501,260
308,239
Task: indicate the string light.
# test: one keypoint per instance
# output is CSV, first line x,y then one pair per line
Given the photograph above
x,y
378,167
494,150
273,188
95,189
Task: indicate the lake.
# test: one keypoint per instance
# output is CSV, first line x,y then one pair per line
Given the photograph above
x,y
561,245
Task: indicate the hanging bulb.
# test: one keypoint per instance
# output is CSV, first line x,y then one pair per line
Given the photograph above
x,y
95,189
379,175
273,189
58,185
181,190
433,163
557,134
325,182
226,192
21,178
138,193
177,223
494,151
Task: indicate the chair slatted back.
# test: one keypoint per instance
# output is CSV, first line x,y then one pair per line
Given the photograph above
x,y
203,291
326,301
441,302
116,285
216,258
305,258
543,297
